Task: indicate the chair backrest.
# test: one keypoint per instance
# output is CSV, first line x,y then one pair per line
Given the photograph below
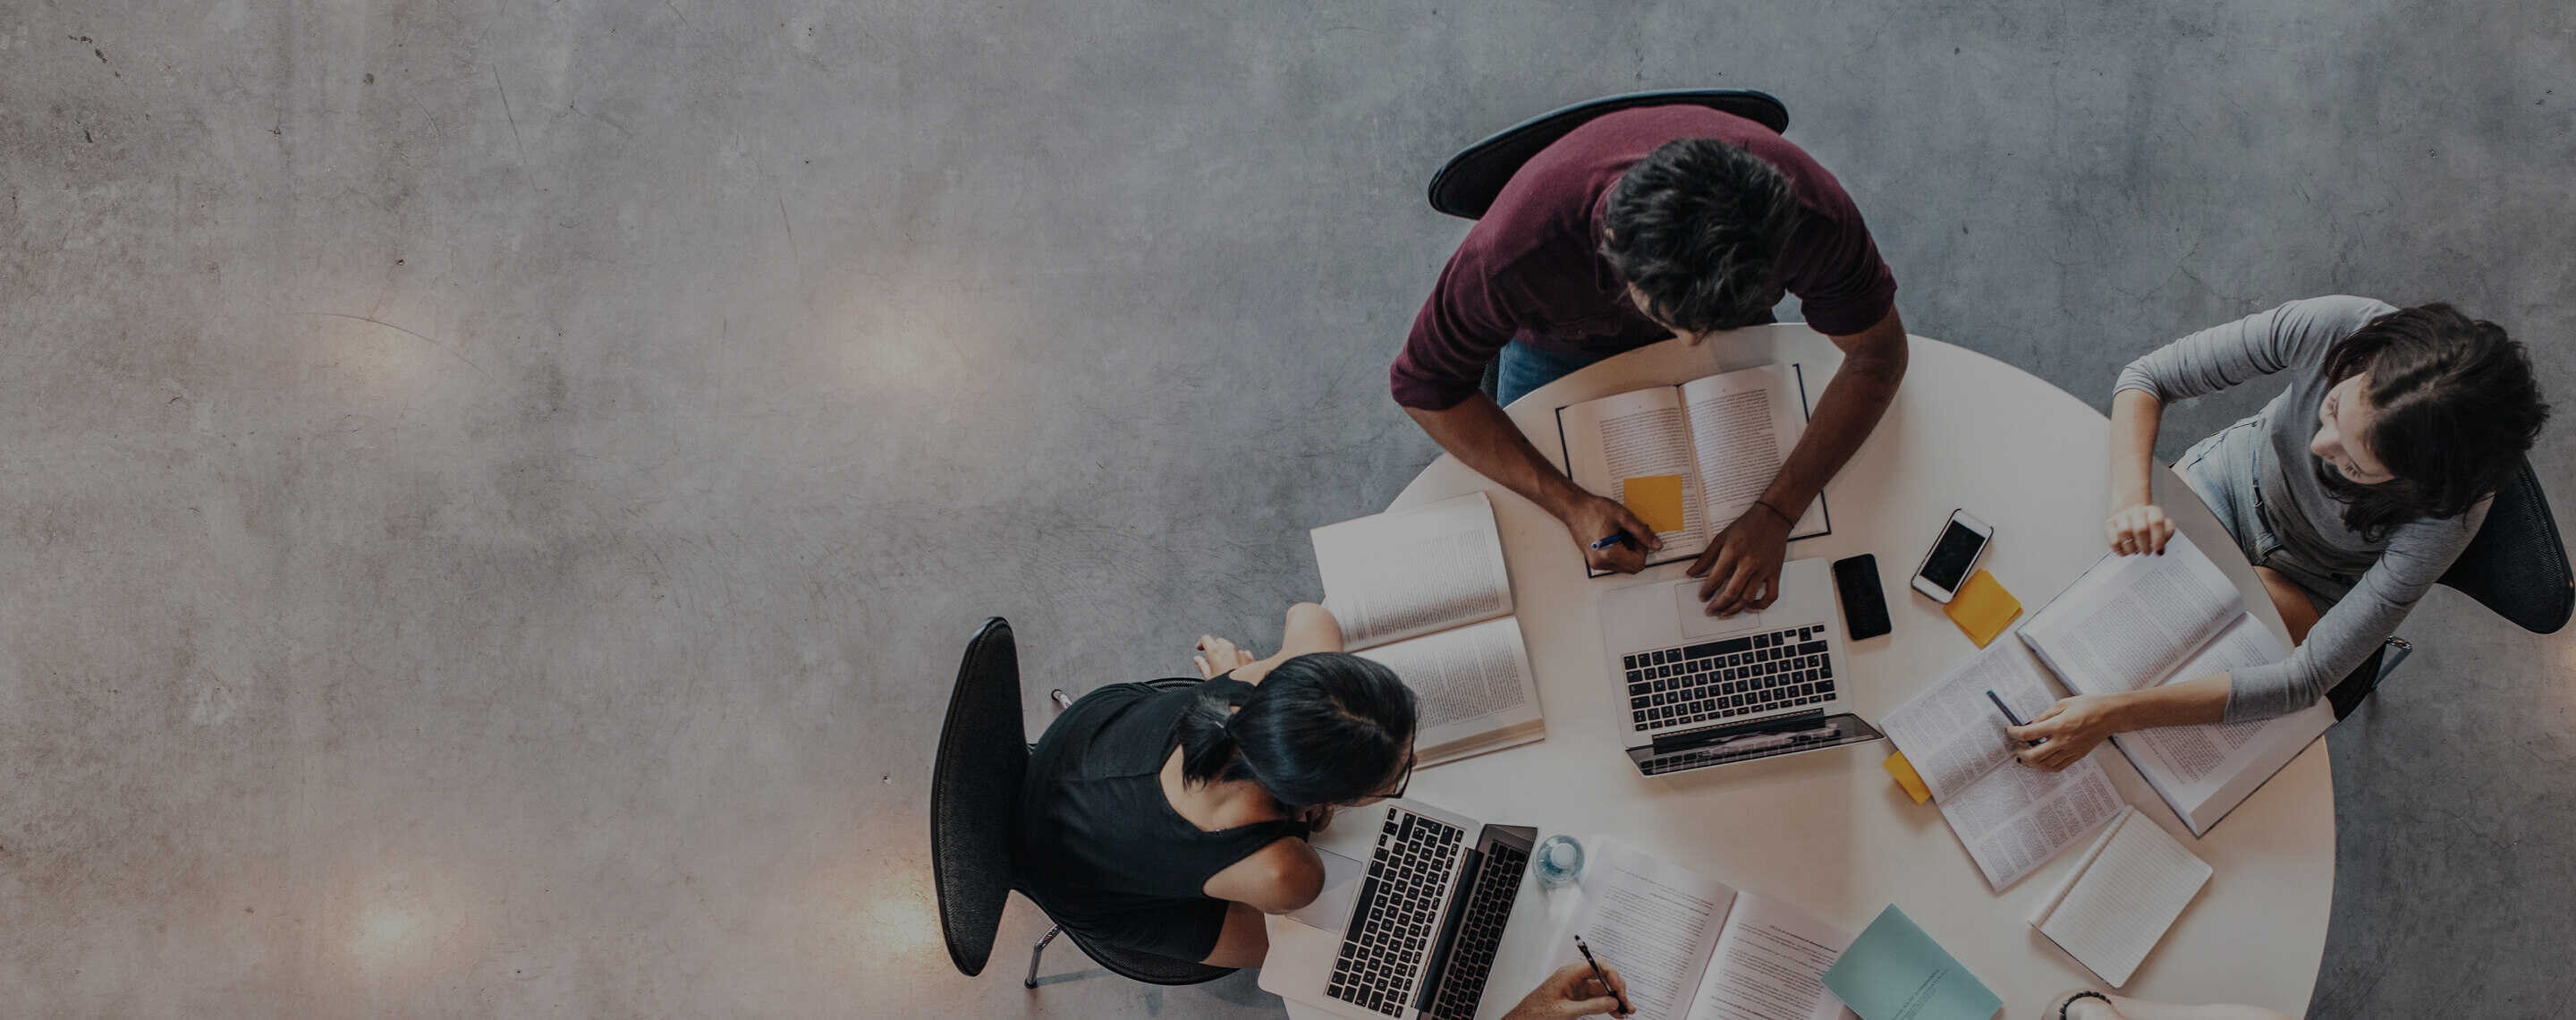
x,y
1467,186
2517,565
974,794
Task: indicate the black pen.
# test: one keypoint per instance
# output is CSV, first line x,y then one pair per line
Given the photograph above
x,y
1622,1000
2011,718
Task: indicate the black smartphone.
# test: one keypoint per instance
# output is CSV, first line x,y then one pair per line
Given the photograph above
x,y
1864,604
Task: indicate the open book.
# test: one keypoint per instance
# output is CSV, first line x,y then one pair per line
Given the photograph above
x,y
1690,459
1693,948
2122,897
2011,817
2133,622
1424,591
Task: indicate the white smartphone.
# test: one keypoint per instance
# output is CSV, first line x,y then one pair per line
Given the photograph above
x,y
1953,557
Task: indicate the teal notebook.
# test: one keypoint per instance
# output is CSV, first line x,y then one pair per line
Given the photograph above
x,y
1894,971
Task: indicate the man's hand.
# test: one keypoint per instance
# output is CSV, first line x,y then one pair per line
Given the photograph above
x,y
2071,729
1743,566
1571,992
1592,518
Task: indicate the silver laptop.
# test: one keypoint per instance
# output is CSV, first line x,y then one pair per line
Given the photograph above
x,y
1412,914
1699,691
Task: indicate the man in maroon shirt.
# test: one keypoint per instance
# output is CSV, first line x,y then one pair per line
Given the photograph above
x,y
1668,221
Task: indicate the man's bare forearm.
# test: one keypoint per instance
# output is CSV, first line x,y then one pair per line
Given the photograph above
x,y
1481,436
1849,409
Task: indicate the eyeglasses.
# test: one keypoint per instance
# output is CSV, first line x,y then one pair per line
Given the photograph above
x,y
1404,781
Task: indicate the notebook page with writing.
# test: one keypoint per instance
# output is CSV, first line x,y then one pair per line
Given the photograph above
x,y
2018,817
1405,573
1473,686
1951,733
1656,922
1743,425
2130,620
1770,964
1636,434
2116,908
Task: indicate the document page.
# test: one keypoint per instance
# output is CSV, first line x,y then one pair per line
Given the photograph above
x,y
2116,908
1469,682
1770,965
1951,733
1404,573
1743,425
1654,921
2129,621
2205,771
2018,817
1638,435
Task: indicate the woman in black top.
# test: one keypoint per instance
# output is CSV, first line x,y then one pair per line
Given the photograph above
x,y
1169,822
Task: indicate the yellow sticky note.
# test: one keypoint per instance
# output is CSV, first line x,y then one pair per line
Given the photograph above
x,y
1982,608
1906,777
1655,499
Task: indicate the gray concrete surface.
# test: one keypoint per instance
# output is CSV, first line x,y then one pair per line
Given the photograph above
x,y
493,492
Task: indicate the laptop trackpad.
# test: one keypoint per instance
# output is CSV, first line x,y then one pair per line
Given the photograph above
x,y
1331,910
1696,623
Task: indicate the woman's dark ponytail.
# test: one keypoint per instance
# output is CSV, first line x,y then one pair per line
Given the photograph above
x,y
1322,728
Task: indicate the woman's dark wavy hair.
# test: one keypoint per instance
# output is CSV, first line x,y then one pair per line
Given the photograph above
x,y
1698,227
2457,409
1321,728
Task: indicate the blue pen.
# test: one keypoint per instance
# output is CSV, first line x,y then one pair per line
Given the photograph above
x,y
1616,538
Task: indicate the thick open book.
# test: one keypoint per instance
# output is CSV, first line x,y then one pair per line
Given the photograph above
x,y
1424,591
2122,897
2133,622
2011,817
1690,459
1693,948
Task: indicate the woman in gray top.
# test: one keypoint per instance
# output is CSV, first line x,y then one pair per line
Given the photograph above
x,y
2351,492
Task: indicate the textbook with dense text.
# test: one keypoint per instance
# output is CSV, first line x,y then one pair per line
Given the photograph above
x,y
1690,459
1425,592
2133,622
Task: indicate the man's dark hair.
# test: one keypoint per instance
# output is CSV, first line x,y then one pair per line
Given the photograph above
x,y
1698,226
2457,407
1322,728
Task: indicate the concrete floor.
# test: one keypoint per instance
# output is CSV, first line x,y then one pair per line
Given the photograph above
x,y
494,492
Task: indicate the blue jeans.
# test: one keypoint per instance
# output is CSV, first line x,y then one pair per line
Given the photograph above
x,y
1524,368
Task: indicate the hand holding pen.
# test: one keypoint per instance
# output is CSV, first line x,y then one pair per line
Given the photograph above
x,y
1611,537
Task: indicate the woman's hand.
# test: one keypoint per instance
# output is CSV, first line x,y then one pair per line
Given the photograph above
x,y
2069,730
2140,528
1571,992
1217,656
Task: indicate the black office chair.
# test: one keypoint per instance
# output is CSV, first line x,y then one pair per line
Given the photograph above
x,y
2516,567
1466,187
974,799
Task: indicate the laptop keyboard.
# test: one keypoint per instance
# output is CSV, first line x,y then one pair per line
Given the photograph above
x,y
1397,911
1480,933
1720,680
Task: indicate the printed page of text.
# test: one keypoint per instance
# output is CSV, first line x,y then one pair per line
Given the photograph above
x,y
1656,922
1743,425
1951,733
1770,965
1629,435
2129,621
2018,817
1396,575
1468,681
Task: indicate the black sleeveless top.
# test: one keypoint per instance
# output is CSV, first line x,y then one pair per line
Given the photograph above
x,y
1102,850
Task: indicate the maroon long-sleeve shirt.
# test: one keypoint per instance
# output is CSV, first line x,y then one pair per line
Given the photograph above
x,y
1531,270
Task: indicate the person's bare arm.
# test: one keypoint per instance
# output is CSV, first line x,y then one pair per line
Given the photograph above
x,y
1310,628
1481,436
1742,566
2074,726
1275,879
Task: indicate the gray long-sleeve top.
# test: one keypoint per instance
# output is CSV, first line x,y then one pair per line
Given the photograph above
x,y
2303,517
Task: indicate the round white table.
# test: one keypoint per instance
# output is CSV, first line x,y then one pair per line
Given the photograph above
x,y
1830,832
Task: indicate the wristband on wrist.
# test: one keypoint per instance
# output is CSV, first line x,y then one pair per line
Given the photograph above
x,y
1777,512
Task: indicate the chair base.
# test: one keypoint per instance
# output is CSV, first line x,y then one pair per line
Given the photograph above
x,y
1038,953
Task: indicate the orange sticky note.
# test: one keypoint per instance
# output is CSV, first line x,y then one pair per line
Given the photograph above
x,y
1982,608
1656,500
1906,777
